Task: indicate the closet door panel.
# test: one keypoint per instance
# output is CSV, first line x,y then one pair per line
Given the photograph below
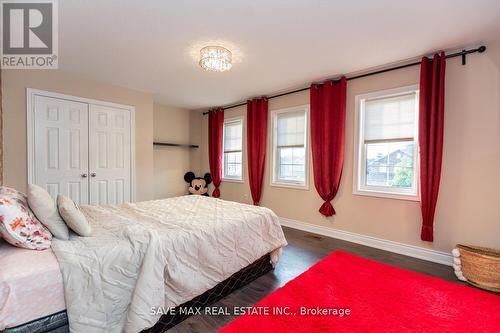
x,y
110,155
61,147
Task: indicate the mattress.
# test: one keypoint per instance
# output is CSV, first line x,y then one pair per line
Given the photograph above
x,y
31,285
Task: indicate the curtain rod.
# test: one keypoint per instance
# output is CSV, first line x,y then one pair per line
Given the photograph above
x,y
462,53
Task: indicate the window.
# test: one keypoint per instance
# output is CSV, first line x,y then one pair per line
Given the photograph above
x,y
233,153
290,152
387,129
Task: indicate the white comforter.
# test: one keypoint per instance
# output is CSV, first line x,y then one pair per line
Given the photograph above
x,y
157,253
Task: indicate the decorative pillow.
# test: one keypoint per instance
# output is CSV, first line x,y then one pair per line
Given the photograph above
x,y
45,209
18,224
73,216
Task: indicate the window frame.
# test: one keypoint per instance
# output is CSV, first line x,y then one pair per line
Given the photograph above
x,y
225,178
274,181
359,172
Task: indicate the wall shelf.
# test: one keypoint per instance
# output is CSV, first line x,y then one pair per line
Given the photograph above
x,y
168,144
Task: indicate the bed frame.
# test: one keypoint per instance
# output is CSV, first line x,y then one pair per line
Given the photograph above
x,y
55,323
235,281
58,322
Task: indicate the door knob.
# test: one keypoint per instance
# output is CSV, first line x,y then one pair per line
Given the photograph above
x,y
84,175
93,174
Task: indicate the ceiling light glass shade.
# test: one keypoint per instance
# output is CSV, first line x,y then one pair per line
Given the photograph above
x,y
215,58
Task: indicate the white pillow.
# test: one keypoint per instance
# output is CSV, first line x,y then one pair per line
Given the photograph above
x,y
73,217
45,209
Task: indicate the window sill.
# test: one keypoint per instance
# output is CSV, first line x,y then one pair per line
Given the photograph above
x,y
291,186
387,195
232,180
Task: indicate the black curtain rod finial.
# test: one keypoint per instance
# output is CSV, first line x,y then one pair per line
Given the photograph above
x,y
481,49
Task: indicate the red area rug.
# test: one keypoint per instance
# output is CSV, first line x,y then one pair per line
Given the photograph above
x,y
379,297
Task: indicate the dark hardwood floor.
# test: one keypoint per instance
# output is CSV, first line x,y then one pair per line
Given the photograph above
x,y
303,250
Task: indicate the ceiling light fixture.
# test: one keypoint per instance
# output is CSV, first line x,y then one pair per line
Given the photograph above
x,y
215,59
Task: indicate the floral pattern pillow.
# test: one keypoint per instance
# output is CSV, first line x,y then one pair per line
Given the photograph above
x,y
18,224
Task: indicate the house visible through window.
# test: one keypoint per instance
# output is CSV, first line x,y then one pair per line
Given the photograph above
x,y
233,156
290,167
387,143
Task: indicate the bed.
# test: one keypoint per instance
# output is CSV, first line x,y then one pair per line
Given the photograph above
x,y
204,244
23,292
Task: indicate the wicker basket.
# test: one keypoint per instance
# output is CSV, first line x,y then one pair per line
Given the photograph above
x,y
481,266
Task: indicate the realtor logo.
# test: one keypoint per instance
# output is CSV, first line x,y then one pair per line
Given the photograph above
x,y
29,34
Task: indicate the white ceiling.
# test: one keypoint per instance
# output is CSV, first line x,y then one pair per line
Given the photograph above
x,y
153,46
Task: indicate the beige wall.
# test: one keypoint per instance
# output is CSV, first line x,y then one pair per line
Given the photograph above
x,y
197,136
468,209
171,163
1,132
14,84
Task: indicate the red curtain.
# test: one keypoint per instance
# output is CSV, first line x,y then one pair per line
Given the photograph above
x,y
256,144
430,137
215,134
328,103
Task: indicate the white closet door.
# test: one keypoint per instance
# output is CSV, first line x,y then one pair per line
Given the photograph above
x,y
110,156
61,147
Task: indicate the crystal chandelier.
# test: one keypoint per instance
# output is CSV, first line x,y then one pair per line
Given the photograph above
x,y
215,59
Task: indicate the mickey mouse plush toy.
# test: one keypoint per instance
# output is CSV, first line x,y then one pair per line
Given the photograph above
x,y
198,185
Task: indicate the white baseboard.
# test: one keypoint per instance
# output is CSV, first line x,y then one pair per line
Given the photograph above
x,y
387,245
